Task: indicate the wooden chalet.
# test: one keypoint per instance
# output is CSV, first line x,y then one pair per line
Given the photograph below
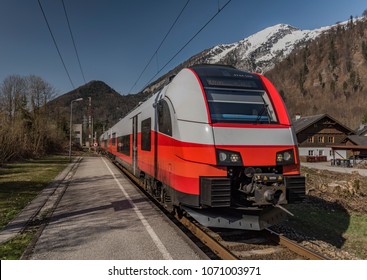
x,y
317,135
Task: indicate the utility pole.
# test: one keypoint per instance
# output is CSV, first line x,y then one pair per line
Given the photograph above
x,y
90,126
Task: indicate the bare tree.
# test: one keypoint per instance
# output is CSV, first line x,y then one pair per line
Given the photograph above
x,y
12,93
39,91
24,119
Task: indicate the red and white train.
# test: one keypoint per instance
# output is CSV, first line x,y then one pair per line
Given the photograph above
x,y
216,142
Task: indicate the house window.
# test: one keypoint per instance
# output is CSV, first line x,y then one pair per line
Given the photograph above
x,y
146,134
310,152
331,153
321,139
310,139
321,152
331,139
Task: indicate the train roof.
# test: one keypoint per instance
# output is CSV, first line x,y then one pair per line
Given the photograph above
x,y
226,76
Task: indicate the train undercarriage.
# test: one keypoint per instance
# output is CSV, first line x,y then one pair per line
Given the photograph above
x,y
247,198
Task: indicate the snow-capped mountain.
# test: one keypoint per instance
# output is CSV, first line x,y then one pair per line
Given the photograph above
x,y
256,53
260,51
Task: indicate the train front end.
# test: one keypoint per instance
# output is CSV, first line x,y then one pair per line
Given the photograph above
x,y
256,147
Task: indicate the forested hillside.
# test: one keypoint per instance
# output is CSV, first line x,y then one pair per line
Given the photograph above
x,y
328,75
108,106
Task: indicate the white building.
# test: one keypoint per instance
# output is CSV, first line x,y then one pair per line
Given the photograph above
x,y
78,134
317,135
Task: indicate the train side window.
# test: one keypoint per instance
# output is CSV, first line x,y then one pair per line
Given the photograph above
x,y
164,118
146,134
114,139
123,145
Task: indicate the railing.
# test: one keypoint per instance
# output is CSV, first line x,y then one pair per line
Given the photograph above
x,y
316,158
342,162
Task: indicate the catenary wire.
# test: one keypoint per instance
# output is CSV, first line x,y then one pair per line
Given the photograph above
x,y
160,45
188,42
57,48
72,38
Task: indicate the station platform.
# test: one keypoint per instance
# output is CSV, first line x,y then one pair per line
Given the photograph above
x,y
101,215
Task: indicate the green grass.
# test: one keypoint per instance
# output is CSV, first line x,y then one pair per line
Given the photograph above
x,y
21,182
13,249
336,226
356,236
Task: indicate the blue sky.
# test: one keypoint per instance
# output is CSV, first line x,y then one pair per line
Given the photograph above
x,y
116,38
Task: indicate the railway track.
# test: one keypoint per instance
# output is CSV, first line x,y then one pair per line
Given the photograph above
x,y
238,244
241,244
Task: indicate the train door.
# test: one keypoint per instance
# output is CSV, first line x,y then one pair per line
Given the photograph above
x,y
135,144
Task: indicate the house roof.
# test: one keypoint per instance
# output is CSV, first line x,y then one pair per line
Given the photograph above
x,y
357,140
304,122
362,129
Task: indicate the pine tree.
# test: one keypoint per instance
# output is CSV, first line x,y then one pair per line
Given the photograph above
x,y
364,50
332,55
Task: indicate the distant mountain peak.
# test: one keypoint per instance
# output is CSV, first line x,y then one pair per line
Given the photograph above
x,y
279,30
260,51
96,85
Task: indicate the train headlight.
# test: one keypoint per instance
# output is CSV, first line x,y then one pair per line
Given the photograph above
x,y
227,158
234,158
222,156
285,157
280,157
288,156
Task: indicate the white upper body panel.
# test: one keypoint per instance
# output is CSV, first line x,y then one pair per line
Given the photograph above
x,y
192,132
253,136
187,98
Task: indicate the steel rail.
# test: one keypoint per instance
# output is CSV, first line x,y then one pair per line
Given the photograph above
x,y
294,246
210,242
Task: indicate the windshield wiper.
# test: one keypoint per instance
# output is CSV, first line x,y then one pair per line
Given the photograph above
x,y
263,110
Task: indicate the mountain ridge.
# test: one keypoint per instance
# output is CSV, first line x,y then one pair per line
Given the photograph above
x,y
107,105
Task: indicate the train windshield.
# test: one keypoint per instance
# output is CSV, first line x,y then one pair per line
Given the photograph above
x,y
239,106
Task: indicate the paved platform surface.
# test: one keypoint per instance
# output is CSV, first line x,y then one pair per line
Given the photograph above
x,y
102,216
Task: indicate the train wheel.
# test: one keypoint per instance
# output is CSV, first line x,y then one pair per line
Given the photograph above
x,y
166,199
178,212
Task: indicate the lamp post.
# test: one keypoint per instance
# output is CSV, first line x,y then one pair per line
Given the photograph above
x,y
71,123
